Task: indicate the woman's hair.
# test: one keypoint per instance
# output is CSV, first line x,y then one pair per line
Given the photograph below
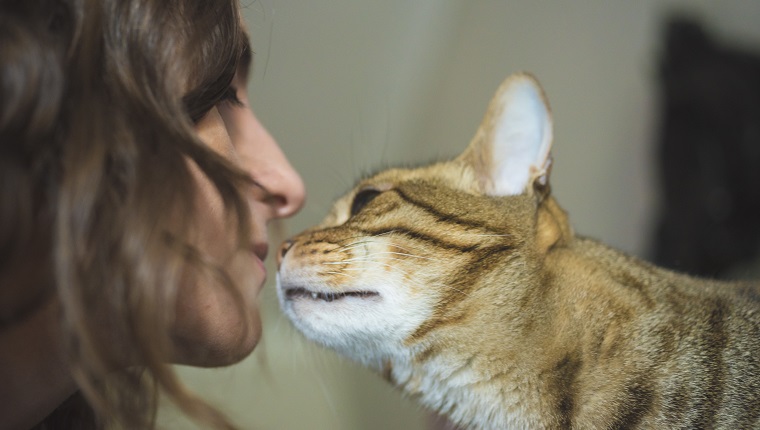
x,y
97,104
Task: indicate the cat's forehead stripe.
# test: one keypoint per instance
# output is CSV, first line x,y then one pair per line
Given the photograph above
x,y
440,243
431,209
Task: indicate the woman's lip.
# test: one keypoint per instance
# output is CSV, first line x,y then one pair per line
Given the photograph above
x,y
261,250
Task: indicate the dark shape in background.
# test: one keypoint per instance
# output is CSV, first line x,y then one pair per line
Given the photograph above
x,y
709,153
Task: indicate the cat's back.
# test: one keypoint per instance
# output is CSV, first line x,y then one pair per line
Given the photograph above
x,y
690,347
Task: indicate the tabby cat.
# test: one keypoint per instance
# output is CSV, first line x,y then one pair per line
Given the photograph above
x,y
464,284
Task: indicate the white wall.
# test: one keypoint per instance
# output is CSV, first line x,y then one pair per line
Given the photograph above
x,y
348,86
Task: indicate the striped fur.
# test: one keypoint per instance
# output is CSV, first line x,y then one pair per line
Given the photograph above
x,y
489,309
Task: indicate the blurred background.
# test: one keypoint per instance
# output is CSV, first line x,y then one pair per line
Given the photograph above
x,y
348,87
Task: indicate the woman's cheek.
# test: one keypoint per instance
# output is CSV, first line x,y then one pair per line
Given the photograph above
x,y
217,319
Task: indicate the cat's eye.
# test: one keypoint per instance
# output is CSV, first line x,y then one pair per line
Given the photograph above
x,y
362,198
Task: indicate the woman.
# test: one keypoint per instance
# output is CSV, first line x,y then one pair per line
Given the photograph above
x,y
135,189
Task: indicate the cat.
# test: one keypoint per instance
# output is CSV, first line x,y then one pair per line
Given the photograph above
x,y
464,284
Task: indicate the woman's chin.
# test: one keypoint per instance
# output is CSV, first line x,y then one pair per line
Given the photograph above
x,y
214,327
222,345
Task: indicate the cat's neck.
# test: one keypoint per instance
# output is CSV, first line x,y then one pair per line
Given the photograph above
x,y
514,368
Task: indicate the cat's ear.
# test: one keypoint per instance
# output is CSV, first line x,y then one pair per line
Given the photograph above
x,y
510,151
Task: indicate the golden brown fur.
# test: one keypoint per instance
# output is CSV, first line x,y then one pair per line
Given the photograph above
x,y
486,307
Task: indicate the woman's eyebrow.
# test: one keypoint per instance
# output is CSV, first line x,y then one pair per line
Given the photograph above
x,y
246,57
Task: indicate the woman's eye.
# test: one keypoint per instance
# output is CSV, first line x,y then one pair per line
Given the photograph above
x,y
230,96
362,198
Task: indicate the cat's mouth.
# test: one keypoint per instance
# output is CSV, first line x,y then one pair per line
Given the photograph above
x,y
297,293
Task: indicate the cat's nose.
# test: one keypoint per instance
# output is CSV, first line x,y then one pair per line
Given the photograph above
x,y
284,248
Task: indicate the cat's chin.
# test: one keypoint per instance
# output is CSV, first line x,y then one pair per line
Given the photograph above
x,y
300,293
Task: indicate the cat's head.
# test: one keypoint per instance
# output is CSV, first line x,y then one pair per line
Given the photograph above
x,y
409,251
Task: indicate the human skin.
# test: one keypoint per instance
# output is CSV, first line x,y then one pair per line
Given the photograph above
x,y
209,329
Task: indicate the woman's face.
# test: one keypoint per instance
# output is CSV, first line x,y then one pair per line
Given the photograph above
x,y
210,330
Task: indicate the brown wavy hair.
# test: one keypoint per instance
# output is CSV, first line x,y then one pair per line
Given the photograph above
x,y
97,104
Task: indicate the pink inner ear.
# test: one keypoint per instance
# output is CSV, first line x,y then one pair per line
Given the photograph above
x,y
514,140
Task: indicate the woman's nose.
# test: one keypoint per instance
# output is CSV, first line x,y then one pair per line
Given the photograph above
x,y
285,190
272,171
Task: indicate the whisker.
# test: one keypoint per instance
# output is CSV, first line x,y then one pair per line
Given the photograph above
x,y
403,254
362,269
328,272
368,257
351,246
385,233
409,246
341,273
348,260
